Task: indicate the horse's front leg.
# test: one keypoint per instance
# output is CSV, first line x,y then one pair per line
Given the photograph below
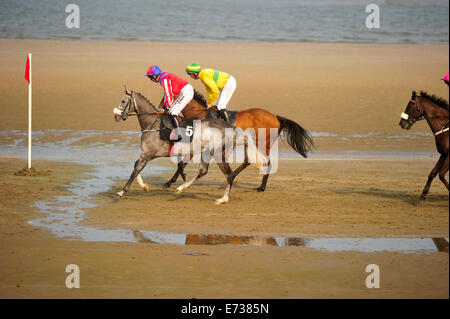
x,y
180,171
138,167
443,171
202,171
142,183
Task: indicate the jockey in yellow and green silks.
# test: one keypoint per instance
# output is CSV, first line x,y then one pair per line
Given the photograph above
x,y
220,86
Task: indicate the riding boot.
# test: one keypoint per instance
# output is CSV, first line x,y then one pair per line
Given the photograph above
x,y
225,116
176,128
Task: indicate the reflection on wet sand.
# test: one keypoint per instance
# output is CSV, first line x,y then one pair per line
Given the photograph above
x,y
329,244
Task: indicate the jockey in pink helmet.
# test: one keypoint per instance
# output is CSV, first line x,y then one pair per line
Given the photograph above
x,y
172,85
445,78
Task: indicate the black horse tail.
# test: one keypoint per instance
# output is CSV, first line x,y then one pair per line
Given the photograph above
x,y
296,136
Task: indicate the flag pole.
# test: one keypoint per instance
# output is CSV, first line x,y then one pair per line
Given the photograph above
x,y
29,116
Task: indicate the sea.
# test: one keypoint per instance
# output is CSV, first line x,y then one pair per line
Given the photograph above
x,y
279,21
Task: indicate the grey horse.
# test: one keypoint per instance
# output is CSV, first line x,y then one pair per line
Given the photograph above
x,y
210,138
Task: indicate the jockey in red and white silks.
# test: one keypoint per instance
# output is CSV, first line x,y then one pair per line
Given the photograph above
x,y
172,85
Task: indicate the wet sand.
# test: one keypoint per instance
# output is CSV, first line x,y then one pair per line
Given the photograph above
x,y
308,198
350,90
33,260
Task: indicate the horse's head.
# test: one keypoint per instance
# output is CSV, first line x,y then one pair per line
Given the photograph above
x,y
412,113
125,107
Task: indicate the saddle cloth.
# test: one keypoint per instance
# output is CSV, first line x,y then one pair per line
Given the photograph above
x,y
187,126
166,128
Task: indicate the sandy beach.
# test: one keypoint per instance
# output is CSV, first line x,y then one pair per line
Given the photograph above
x,y
352,92
33,261
325,87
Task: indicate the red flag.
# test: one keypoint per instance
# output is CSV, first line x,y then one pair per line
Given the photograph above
x,y
27,70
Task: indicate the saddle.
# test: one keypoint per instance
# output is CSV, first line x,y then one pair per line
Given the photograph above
x,y
213,113
166,127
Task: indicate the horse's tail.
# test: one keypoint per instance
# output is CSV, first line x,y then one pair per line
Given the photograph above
x,y
254,155
296,136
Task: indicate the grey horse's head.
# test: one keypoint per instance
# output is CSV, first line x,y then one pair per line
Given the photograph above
x,y
125,107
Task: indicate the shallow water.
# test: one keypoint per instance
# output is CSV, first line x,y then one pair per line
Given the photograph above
x,y
404,245
401,21
91,147
112,154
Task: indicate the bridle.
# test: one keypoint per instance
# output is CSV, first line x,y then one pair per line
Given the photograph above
x,y
407,118
126,111
413,120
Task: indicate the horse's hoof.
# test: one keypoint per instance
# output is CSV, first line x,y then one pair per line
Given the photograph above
x,y
221,201
146,188
260,189
119,194
179,190
422,199
167,185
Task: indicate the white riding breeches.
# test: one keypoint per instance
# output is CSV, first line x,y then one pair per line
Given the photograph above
x,y
226,93
185,96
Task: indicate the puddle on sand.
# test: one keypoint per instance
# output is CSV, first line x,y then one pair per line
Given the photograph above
x,y
114,160
404,245
62,215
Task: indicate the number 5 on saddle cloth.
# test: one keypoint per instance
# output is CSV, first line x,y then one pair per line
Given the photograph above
x,y
167,132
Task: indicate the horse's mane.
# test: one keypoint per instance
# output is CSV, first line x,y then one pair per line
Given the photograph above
x,y
200,99
147,100
143,97
435,99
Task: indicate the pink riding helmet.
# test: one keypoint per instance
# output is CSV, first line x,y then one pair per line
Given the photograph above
x,y
445,78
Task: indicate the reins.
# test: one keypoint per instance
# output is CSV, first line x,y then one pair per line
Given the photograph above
x,y
126,113
444,129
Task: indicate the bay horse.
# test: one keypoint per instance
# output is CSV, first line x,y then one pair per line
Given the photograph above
x,y
436,112
208,136
254,118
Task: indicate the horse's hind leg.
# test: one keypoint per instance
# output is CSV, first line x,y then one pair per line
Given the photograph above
x,y
239,170
243,166
202,171
433,174
228,172
262,187
180,171
138,167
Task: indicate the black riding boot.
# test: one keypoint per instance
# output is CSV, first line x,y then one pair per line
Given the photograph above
x,y
225,116
176,128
